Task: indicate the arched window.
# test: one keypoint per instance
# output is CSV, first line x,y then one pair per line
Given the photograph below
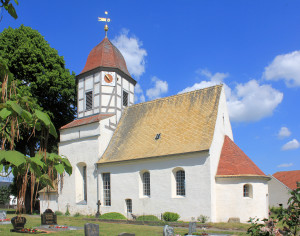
x,y
247,190
146,184
180,183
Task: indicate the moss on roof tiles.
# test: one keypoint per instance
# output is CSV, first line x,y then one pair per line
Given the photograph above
x,y
186,123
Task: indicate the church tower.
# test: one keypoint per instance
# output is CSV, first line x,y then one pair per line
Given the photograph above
x,y
104,85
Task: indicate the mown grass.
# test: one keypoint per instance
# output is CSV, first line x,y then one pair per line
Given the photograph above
x,y
109,229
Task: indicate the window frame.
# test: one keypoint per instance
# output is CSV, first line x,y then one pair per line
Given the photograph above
x,y
88,100
127,98
247,191
180,183
146,181
128,205
106,181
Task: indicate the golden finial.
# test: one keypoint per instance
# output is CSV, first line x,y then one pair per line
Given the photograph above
x,y
106,20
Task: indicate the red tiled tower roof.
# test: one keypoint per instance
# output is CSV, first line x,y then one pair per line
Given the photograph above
x,y
86,120
234,162
105,54
289,178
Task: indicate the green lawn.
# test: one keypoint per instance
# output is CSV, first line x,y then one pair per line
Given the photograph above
x,y
110,229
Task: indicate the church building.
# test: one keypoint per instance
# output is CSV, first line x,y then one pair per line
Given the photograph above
x,y
173,154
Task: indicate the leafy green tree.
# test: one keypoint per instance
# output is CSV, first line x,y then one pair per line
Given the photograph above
x,y
5,193
20,112
39,72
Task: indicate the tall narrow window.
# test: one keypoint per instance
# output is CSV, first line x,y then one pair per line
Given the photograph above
x,y
106,189
146,184
89,100
125,98
129,205
84,183
180,183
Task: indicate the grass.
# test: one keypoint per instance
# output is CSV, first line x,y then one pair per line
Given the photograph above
x,y
110,229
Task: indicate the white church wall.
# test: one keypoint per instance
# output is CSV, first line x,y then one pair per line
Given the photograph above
x,y
278,193
222,128
78,152
232,203
79,132
48,200
126,184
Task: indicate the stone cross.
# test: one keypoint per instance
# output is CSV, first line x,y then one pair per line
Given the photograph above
x,y
98,211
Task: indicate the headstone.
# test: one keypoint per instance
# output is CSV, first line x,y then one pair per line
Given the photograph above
x,y
2,215
126,234
234,220
192,227
91,229
168,231
49,218
18,223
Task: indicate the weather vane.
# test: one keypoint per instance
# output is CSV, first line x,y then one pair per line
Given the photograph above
x,y
106,20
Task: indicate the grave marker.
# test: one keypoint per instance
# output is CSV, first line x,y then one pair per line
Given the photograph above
x,y
2,215
192,227
49,218
91,229
168,231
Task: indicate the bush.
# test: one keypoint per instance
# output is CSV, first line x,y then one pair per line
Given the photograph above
x,y
170,216
113,216
275,210
147,218
58,213
77,214
203,218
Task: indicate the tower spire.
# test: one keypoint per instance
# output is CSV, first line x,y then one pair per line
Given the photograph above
x,y
105,20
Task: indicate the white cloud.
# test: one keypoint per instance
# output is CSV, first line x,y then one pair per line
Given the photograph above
x,y
159,88
246,102
284,132
285,67
294,144
138,94
214,79
252,101
285,165
134,54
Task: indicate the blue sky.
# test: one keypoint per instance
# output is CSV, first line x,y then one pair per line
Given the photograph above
x,y
253,47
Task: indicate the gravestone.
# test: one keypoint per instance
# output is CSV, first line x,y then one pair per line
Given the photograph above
x,y
2,215
126,234
91,229
234,220
192,227
49,218
168,231
18,223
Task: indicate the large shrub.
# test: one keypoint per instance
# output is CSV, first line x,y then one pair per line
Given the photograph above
x,y
113,216
170,216
147,218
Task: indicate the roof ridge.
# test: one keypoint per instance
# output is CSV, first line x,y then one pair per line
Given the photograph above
x,y
173,96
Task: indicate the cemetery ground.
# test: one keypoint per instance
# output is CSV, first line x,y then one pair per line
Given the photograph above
x,y
112,229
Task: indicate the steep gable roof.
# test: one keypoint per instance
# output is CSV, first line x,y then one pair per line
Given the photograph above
x,y
234,162
185,122
86,120
288,178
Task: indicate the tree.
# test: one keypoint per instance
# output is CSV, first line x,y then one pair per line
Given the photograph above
x,y
21,112
40,72
5,195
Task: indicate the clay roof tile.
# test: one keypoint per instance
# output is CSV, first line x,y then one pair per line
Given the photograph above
x,y
289,178
234,162
105,54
